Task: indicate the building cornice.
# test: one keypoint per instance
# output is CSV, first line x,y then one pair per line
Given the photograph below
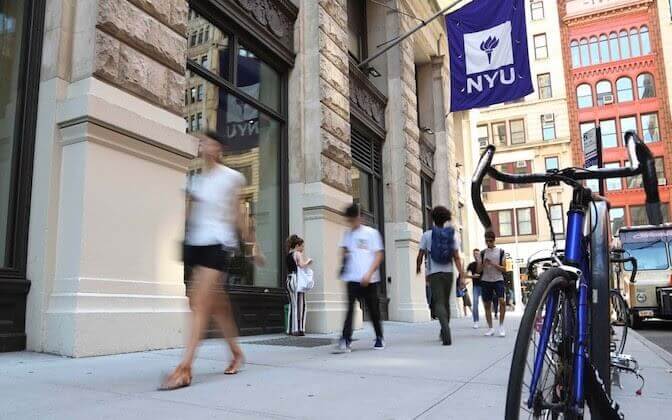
x,y
602,14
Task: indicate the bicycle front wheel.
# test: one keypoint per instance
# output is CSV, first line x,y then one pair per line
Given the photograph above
x,y
554,294
620,319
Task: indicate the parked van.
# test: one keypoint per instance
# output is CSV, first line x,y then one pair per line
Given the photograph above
x,y
651,294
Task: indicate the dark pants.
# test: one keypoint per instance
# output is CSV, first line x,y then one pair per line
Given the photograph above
x,y
369,296
441,284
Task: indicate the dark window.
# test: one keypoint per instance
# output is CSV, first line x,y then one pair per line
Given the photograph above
x,y
426,197
544,86
660,171
367,177
537,10
357,29
258,79
199,93
200,36
638,216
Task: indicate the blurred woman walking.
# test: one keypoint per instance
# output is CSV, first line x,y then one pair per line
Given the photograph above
x,y
212,238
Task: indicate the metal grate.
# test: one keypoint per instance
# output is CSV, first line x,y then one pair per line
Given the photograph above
x,y
306,342
367,153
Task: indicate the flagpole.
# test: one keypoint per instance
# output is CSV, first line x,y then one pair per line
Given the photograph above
x,y
365,63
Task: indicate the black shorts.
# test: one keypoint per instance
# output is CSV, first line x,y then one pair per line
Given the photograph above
x,y
490,290
216,257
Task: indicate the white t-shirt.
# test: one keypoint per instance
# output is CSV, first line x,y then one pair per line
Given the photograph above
x,y
212,219
362,246
431,266
490,274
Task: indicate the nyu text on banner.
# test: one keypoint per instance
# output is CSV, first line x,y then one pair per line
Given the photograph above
x,y
489,62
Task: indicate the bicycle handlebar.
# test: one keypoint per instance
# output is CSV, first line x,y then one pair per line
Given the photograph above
x,y
641,161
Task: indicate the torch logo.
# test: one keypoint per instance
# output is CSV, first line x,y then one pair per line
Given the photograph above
x,y
488,46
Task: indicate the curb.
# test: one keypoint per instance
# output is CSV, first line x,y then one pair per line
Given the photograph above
x,y
659,351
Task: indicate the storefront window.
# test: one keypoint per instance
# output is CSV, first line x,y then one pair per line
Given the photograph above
x,y
11,27
253,139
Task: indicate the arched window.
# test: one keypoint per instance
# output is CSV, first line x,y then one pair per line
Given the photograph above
x,y
645,86
604,48
576,58
585,55
594,51
613,46
624,41
584,96
646,42
634,42
603,89
624,89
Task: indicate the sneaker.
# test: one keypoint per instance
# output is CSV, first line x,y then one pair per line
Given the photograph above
x,y
475,325
490,332
343,346
501,332
379,344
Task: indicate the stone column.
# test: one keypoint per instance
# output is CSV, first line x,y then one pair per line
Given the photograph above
x,y
403,216
319,127
107,211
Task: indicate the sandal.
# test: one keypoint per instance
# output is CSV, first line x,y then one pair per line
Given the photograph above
x,y
180,378
235,366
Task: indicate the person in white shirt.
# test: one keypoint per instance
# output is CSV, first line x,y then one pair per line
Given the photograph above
x,y
212,237
362,251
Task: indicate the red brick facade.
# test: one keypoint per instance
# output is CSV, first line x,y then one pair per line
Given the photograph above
x,y
605,22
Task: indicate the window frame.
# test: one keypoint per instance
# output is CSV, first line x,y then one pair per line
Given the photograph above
x,y
479,138
523,131
535,6
561,219
619,90
544,128
541,88
362,34
578,97
532,221
511,223
642,76
496,140
537,48
645,129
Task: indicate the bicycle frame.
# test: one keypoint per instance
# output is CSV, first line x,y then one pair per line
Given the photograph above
x,y
576,254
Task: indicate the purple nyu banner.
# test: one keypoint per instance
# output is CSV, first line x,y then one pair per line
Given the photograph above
x,y
489,62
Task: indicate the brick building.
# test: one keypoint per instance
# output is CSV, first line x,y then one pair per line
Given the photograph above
x,y
615,75
98,147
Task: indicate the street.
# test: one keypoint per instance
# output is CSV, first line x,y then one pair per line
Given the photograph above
x,y
659,332
413,378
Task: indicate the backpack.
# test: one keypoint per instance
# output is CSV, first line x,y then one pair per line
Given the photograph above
x,y
443,244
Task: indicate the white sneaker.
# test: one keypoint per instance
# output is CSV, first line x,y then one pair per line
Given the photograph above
x,y
501,332
490,332
475,325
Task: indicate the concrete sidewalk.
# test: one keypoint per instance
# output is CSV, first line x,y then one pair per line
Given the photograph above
x,y
414,377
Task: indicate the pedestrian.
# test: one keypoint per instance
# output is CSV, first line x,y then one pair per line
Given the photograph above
x,y
362,252
297,298
463,292
475,277
214,223
491,266
440,246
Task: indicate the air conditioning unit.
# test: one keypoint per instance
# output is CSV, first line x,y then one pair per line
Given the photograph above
x,y
483,142
548,118
521,164
607,99
662,181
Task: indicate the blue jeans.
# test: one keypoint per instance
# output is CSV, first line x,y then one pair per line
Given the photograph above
x,y
477,298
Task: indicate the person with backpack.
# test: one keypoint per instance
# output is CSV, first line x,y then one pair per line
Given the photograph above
x,y
491,266
440,246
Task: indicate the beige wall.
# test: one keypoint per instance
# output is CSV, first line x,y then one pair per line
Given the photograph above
x,y
110,157
665,19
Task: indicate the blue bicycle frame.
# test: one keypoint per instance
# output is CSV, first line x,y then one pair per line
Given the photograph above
x,y
576,254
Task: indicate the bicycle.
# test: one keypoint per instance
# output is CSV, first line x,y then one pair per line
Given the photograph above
x,y
554,357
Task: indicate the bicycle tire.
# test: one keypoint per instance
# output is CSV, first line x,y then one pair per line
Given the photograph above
x,y
621,320
548,281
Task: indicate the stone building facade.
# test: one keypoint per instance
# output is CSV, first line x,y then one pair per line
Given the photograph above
x,y
123,85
